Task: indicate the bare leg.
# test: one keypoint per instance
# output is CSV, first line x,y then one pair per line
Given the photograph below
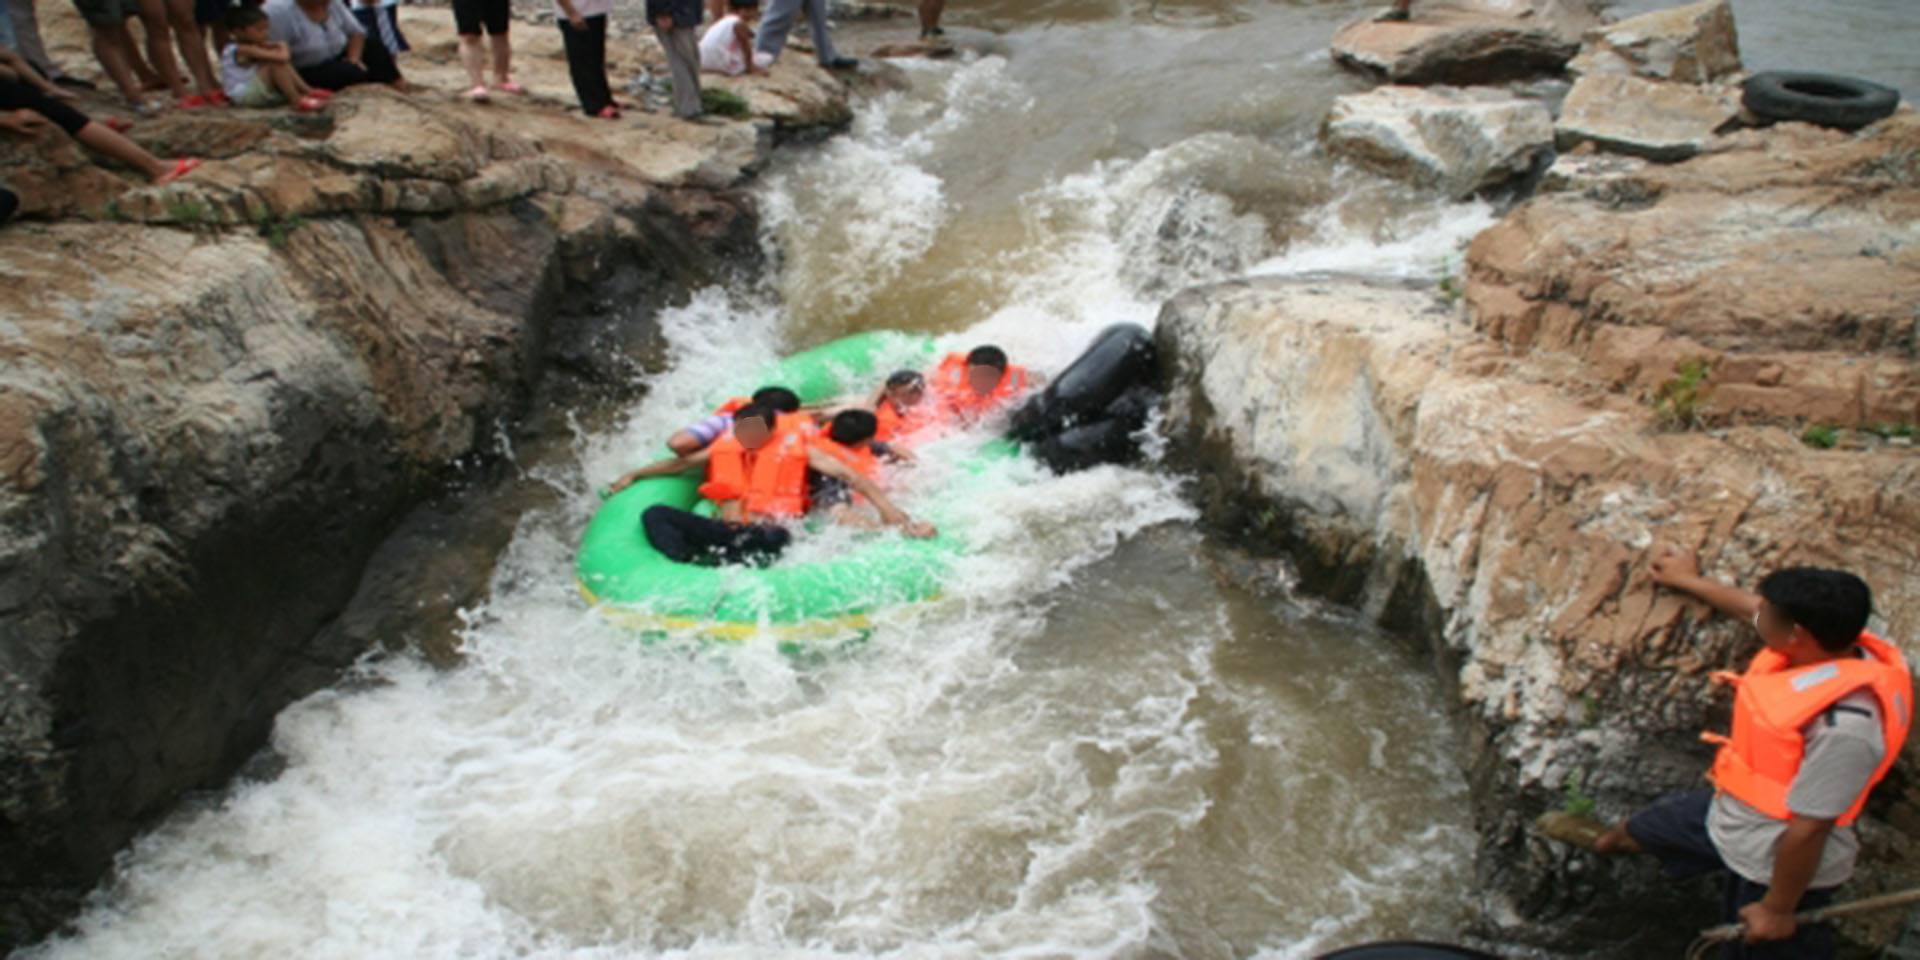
x,y
502,49
715,10
286,80
98,138
153,18
930,11
137,62
1617,840
193,47
473,59
110,48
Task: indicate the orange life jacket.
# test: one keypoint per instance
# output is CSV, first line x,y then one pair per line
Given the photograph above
x,y
862,459
950,385
1757,764
768,482
731,406
895,424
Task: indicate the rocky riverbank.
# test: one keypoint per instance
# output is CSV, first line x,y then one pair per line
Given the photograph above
x,y
220,397
1719,352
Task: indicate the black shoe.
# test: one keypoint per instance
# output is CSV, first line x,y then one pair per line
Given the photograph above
x,y
842,63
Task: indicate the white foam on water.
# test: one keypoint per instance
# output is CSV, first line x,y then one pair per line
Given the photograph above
x,y
1029,767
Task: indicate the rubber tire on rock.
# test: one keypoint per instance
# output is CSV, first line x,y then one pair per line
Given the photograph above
x,y
1819,98
9,202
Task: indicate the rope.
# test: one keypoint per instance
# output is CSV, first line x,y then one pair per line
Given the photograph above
x,y
1714,936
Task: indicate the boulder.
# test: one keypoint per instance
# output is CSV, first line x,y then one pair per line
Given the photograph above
x,y
1645,118
1460,141
1467,41
1504,511
1786,260
1696,43
218,397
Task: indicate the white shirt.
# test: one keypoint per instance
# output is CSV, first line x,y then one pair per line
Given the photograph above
x,y
234,75
719,51
587,8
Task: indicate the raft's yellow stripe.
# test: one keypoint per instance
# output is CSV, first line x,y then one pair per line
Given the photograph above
x,y
723,629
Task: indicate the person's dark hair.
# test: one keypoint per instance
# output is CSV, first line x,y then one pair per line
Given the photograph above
x,y
852,426
988,357
779,398
904,378
1831,604
757,411
240,18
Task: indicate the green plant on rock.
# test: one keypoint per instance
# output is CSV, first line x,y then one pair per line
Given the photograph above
x,y
1820,436
276,230
1449,282
1677,402
188,211
1890,431
1576,802
723,103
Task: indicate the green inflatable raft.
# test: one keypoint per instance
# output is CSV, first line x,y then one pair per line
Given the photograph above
x,y
623,577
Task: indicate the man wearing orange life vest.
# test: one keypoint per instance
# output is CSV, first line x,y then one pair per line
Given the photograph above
x,y
901,409
695,436
972,387
1819,718
757,474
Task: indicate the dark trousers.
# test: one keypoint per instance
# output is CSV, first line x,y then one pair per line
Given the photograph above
x,y
587,63
1674,830
338,74
685,537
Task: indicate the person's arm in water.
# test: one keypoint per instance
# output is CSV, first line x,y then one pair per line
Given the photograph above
x,y
1795,860
663,468
831,466
1678,569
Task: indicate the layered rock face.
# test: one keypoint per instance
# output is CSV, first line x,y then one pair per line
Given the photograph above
x,y
217,397
1468,41
1459,141
1634,365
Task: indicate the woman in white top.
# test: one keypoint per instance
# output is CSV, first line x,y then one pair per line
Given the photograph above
x,y
727,46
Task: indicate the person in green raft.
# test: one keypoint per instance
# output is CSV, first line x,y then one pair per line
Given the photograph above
x,y
695,436
757,474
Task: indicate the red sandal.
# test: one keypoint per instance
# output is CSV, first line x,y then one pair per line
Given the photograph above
x,y
181,168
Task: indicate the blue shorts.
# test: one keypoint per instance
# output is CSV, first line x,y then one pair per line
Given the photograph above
x,y
1674,830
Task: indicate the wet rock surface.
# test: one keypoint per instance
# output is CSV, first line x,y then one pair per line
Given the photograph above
x,y
1637,361
1467,41
221,396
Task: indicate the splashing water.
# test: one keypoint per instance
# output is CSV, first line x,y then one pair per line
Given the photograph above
x,y
1095,744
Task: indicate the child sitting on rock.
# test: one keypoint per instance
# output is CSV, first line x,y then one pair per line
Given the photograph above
x,y
727,46
257,72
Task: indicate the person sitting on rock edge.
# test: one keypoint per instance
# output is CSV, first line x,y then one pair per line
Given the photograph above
x,y
727,46
27,111
1819,718
256,72
757,476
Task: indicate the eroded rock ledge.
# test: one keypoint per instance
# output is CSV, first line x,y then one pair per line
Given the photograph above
x,y
217,397
1635,362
